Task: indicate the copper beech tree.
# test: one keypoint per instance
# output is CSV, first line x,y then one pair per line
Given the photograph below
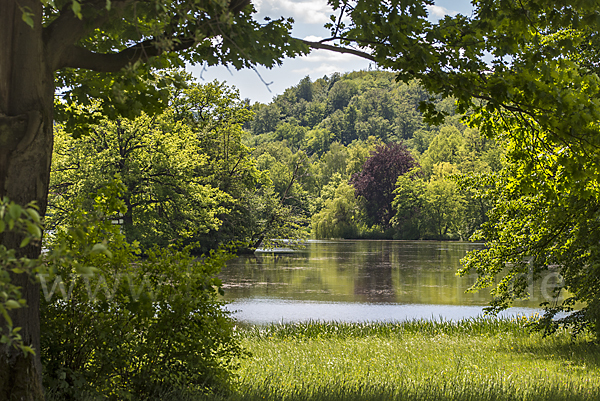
x,y
377,180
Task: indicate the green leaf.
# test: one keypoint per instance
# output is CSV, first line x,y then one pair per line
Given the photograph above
x,y
27,17
12,304
33,215
5,315
25,242
77,9
15,211
86,270
99,248
34,230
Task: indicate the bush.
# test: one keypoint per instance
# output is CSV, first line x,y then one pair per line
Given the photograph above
x,y
132,328
23,222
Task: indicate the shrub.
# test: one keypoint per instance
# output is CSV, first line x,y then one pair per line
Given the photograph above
x,y
133,327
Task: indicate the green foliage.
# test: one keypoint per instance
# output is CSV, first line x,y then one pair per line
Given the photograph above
x,y
136,327
25,221
292,133
540,237
318,140
267,117
409,202
429,209
338,217
158,159
443,207
346,118
348,107
444,148
212,32
305,89
187,174
527,73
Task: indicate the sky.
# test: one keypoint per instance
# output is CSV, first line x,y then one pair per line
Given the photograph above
x,y
309,17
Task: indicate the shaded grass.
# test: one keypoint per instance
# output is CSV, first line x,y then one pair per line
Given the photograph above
x,y
474,359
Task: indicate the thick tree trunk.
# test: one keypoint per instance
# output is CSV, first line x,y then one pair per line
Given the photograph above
x,y
26,98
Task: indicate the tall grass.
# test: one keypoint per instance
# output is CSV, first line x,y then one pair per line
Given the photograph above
x,y
339,330
474,359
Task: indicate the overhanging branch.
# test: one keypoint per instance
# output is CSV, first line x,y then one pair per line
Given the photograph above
x,y
337,49
78,57
63,33
67,29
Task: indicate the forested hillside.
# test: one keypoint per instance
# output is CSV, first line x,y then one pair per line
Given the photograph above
x,y
315,138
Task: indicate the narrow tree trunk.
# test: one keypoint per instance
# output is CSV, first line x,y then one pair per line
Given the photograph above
x,y
26,98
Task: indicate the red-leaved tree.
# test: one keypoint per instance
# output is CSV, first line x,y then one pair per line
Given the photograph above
x,y
377,180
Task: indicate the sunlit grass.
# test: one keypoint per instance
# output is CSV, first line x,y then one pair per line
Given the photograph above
x,y
477,359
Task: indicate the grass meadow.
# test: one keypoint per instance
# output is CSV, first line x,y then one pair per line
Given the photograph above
x,y
478,359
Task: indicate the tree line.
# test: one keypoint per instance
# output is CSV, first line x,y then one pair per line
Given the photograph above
x,y
187,175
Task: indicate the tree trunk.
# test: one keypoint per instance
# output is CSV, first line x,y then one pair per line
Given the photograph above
x,y
26,99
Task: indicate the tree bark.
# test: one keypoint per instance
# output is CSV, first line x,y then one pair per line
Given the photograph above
x,y
26,99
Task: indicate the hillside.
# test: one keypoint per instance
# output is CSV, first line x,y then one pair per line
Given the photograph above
x,y
316,136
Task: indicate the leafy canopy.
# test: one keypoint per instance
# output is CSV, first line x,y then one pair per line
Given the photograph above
x,y
105,53
377,180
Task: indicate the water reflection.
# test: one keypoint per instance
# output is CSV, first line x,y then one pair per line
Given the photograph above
x,y
328,273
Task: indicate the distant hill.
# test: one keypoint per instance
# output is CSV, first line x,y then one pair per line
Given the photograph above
x,y
316,135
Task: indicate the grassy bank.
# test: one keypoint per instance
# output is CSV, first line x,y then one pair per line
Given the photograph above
x,y
469,360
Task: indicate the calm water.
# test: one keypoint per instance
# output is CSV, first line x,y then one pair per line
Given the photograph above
x,y
357,281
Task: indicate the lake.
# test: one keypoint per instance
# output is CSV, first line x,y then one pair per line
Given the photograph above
x,y
359,281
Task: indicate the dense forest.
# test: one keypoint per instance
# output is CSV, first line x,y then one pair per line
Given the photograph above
x,y
316,139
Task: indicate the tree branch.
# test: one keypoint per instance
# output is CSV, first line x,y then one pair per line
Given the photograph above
x,y
319,45
67,29
78,57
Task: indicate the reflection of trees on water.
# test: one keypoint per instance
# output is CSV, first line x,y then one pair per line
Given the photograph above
x,y
357,271
373,283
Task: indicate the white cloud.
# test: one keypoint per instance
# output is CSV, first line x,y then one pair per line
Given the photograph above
x,y
319,71
306,11
440,12
324,62
312,38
